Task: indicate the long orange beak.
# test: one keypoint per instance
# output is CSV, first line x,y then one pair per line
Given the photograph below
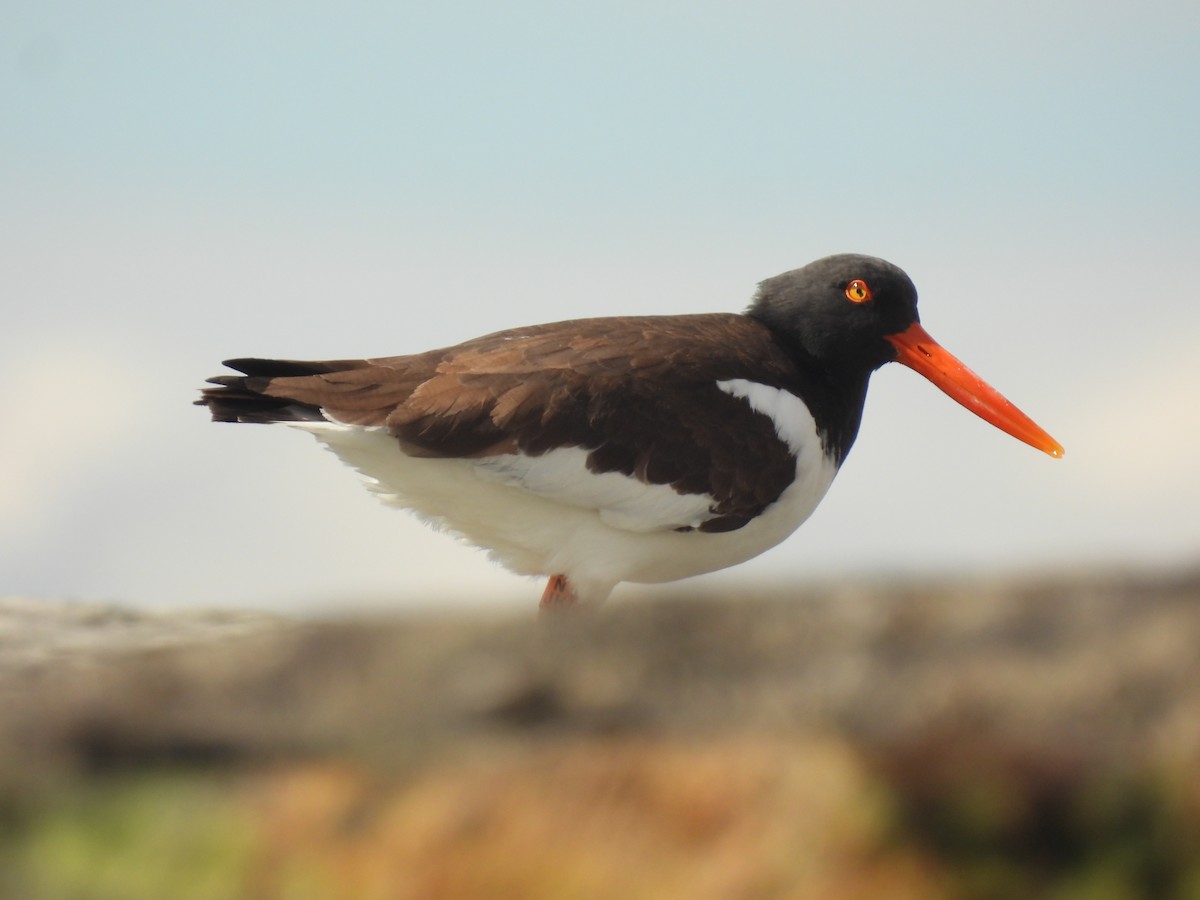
x,y
917,350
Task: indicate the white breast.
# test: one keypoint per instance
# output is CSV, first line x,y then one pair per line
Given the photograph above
x,y
548,515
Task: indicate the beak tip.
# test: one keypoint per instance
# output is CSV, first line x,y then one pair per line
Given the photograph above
x,y
921,353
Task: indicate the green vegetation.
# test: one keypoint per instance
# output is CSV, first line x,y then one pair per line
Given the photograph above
x,y
133,836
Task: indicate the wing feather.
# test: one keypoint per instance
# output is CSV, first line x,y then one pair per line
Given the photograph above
x,y
639,395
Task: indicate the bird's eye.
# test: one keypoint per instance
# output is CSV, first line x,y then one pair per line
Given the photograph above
x,y
857,291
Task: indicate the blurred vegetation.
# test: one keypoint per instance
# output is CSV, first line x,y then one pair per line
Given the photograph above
x,y
135,837
744,817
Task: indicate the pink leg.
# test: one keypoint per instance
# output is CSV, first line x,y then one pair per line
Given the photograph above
x,y
559,594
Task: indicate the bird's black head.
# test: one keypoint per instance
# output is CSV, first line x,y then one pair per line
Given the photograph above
x,y
839,310
845,316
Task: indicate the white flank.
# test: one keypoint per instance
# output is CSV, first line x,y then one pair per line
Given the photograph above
x,y
562,476
793,422
547,515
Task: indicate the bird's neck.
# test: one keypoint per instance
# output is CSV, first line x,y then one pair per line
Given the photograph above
x,y
834,396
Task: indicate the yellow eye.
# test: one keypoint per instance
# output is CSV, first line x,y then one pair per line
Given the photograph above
x,y
857,291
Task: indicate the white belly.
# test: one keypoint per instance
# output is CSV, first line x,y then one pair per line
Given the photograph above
x,y
548,515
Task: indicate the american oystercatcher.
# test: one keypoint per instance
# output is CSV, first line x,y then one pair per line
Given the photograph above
x,y
638,448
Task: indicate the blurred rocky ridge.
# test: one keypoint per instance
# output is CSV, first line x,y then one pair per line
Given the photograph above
x,y
1089,671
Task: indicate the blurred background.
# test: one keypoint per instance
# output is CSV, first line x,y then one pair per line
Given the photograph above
x,y
182,183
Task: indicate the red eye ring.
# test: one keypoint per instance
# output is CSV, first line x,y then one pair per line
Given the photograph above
x,y
857,291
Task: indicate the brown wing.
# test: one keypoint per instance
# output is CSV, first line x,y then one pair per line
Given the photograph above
x,y
639,393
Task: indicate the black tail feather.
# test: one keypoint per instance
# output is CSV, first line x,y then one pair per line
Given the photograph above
x,y
287,368
241,398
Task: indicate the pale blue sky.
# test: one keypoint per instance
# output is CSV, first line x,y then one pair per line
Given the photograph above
x,y
179,184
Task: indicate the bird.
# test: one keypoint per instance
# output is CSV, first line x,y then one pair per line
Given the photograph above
x,y
643,448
